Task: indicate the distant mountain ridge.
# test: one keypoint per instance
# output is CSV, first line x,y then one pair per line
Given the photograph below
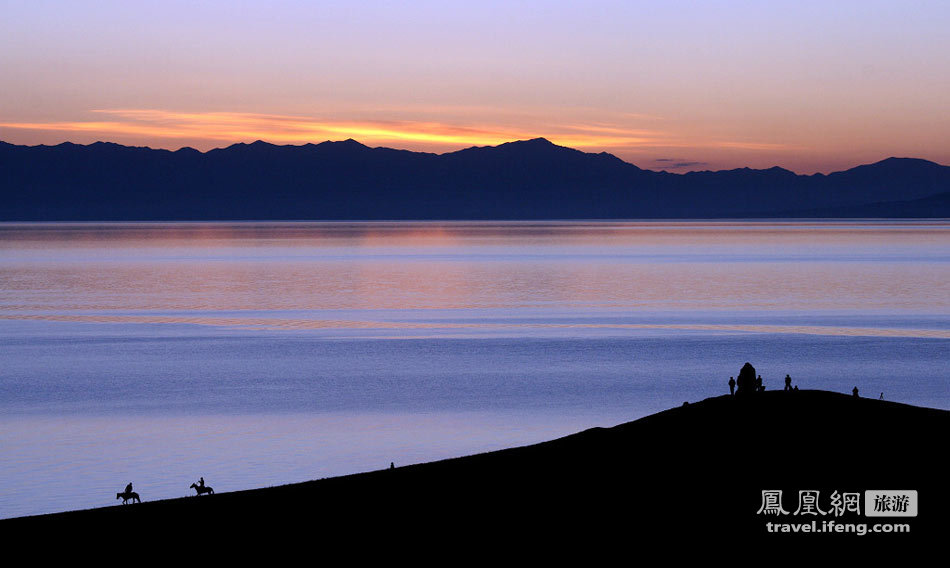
x,y
529,179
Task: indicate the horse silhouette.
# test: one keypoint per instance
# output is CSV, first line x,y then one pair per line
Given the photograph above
x,y
130,496
202,489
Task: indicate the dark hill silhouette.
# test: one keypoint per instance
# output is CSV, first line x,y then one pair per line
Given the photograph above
x,y
932,206
694,472
531,179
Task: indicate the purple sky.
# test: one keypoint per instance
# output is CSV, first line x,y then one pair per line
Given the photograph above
x,y
811,86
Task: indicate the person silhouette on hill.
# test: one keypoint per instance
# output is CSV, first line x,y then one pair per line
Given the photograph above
x,y
732,386
201,482
788,382
854,392
758,384
128,488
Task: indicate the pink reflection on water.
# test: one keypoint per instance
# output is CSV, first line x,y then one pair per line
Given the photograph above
x,y
300,266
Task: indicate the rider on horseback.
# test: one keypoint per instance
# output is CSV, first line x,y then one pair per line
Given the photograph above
x,y
200,487
128,495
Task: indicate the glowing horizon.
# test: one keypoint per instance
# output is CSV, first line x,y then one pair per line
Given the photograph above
x,y
214,130
235,126
208,129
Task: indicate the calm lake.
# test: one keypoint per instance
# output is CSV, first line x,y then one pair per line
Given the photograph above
x,y
258,354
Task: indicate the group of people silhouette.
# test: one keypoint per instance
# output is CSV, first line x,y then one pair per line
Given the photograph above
x,y
749,382
130,495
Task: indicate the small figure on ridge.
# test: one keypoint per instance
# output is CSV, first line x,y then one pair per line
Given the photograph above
x,y
128,495
200,487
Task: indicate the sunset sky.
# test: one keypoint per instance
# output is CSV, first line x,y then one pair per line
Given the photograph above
x,y
810,86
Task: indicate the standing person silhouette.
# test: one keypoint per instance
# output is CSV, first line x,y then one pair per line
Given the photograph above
x,y
732,386
788,382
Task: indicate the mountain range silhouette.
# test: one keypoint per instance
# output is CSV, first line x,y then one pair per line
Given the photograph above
x,y
530,179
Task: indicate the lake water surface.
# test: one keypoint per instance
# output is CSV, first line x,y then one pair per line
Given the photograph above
x,y
257,354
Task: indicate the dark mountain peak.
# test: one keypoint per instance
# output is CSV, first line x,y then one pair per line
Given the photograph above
x,y
533,144
773,171
540,141
254,144
707,172
235,146
112,147
902,161
255,148
901,164
893,163
532,147
539,150
781,171
894,168
349,143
